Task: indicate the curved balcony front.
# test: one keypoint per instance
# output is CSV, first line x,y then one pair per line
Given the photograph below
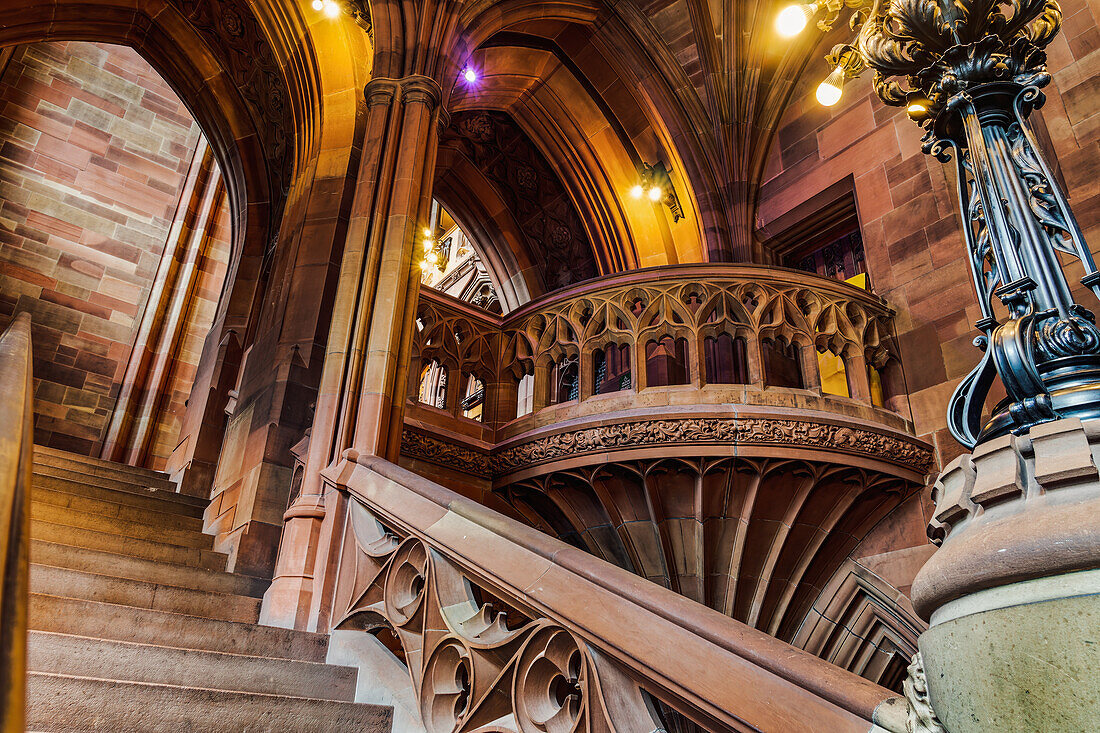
x,y
728,431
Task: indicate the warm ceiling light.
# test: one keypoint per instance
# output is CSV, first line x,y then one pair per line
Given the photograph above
x,y
425,266
469,75
428,244
655,193
830,90
637,192
332,8
793,19
318,5
427,232
431,257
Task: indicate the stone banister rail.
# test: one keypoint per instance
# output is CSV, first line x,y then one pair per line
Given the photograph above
x,y
16,452
504,628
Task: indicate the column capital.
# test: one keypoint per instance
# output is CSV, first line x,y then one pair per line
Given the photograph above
x,y
414,89
380,92
419,89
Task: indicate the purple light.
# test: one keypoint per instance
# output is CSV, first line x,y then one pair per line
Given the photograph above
x,y
469,75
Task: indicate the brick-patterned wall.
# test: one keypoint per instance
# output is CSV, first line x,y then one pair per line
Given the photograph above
x,y
907,207
94,150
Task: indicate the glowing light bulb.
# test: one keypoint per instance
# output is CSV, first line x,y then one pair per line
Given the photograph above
x,y
332,8
469,75
318,5
637,192
655,193
830,90
793,18
917,107
432,257
424,265
428,245
427,232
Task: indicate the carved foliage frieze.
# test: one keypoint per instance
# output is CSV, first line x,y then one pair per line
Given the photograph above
x,y
693,431
417,444
756,431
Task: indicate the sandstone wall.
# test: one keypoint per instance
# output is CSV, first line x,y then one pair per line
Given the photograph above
x,y
95,150
907,206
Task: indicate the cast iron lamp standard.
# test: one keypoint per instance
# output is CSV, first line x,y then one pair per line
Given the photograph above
x,y
1019,552
973,72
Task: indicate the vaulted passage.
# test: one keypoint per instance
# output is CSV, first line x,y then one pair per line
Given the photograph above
x,y
116,234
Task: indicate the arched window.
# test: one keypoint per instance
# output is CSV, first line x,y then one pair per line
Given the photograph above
x,y
564,384
433,385
666,362
782,367
473,401
611,369
525,395
725,359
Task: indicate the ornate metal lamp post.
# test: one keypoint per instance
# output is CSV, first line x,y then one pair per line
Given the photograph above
x,y
1016,518
973,72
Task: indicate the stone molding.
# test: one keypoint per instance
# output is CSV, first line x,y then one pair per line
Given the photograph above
x,y
1017,508
645,433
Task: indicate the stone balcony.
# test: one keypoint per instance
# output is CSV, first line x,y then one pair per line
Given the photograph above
x,y
728,431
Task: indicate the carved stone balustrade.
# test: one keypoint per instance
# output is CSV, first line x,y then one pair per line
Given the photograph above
x,y
760,310
748,498
503,629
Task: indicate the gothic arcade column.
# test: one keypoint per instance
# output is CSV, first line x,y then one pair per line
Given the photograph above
x,y
363,386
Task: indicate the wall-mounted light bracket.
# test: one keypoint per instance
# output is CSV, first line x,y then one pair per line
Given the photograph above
x,y
657,176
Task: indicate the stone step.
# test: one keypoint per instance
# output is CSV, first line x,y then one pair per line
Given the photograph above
x,y
133,485
158,500
154,550
67,703
49,580
106,507
130,662
148,530
137,568
98,620
97,466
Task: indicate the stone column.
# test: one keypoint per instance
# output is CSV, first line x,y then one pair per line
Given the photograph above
x,y
501,401
1013,594
859,384
169,312
811,368
364,382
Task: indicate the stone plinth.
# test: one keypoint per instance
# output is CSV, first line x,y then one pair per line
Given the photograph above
x,y
1013,594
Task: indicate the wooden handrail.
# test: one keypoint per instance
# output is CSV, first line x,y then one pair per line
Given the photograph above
x,y
16,453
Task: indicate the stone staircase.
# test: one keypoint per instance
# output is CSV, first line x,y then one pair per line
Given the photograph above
x,y
136,626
